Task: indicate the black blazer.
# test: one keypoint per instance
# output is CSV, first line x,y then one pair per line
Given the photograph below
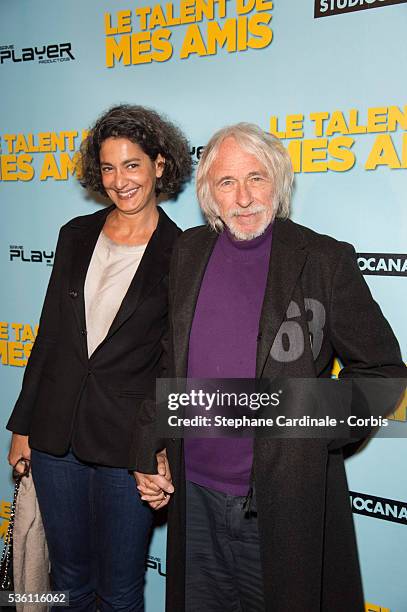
x,y
91,404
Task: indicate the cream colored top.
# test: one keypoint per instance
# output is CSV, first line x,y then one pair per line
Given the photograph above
x,y
109,275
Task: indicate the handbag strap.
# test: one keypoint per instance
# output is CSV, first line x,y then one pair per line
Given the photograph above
x,y
6,557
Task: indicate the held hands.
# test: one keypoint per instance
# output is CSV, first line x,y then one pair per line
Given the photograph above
x,y
20,454
156,488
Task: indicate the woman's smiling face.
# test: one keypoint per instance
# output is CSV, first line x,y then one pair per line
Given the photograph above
x,y
129,175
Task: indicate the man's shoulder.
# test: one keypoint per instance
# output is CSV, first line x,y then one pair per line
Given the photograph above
x,y
292,233
192,234
315,242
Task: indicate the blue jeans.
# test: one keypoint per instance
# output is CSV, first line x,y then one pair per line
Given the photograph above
x,y
97,530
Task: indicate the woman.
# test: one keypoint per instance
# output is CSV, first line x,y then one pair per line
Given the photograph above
x,y
96,358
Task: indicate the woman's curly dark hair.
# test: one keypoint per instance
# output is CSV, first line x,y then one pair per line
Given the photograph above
x,y
152,133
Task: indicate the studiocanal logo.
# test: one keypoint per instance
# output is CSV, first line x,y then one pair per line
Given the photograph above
x,y
379,507
383,264
43,54
325,8
20,253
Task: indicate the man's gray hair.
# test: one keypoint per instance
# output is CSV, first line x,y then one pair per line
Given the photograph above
x,y
266,148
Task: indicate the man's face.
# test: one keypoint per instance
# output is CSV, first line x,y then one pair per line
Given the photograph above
x,y
243,191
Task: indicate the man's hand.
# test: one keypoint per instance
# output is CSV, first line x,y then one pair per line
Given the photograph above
x,y
163,467
156,488
20,453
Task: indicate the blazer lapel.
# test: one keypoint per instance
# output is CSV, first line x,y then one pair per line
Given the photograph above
x,y
192,261
84,247
153,266
287,260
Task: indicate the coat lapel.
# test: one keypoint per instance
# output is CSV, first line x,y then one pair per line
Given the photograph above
x,y
193,258
153,266
287,260
84,247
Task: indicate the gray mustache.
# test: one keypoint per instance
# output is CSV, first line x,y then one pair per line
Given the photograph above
x,y
237,212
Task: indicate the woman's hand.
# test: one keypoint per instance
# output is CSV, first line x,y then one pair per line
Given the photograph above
x,y
156,488
20,453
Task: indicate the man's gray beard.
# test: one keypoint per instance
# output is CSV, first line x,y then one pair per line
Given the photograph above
x,y
240,235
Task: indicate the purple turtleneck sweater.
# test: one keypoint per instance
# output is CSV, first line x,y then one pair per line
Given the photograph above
x,y
223,344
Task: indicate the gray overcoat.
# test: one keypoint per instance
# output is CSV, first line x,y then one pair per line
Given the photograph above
x,y
308,547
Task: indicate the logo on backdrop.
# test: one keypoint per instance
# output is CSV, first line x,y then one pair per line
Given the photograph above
x,y
326,140
155,564
383,264
16,342
195,153
19,253
43,54
5,512
325,8
379,507
143,35
369,607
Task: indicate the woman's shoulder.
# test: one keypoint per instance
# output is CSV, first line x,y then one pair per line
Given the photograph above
x,y
84,221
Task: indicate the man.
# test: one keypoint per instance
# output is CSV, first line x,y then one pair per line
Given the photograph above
x,y
255,295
